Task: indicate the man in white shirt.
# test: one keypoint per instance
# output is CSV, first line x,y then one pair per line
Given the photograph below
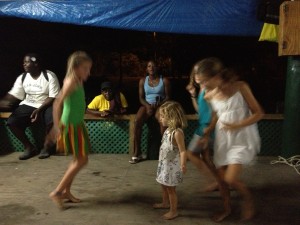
x,y
36,89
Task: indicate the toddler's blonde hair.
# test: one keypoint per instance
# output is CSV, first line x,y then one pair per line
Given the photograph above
x,y
174,114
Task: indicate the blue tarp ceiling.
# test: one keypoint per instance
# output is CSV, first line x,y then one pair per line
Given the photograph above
x,y
207,17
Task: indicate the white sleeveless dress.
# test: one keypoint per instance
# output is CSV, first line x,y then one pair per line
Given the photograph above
x,y
168,170
238,146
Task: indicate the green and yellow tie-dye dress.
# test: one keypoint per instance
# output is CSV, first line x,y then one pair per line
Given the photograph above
x,y
74,137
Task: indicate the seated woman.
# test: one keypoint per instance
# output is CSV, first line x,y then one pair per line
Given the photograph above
x,y
110,102
154,90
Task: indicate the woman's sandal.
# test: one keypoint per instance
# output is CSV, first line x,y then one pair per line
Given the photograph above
x,y
134,160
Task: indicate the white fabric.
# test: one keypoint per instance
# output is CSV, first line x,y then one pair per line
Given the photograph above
x,y
168,170
238,146
33,92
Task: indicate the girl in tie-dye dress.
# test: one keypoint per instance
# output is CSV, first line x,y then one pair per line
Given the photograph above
x,y
69,128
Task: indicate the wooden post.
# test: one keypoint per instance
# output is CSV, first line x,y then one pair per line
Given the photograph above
x,y
289,44
289,28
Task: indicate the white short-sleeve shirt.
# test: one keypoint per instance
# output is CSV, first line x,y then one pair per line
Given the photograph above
x,y
34,92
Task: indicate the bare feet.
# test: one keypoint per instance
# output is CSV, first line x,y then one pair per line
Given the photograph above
x,y
218,217
170,215
56,197
248,210
161,206
70,197
211,187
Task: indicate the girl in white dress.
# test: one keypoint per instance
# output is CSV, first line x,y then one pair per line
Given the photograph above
x,y
237,139
172,156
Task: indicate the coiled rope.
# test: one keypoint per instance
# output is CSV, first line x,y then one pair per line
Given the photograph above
x,y
293,161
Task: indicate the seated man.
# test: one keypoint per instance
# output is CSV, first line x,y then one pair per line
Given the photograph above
x,y
36,89
108,103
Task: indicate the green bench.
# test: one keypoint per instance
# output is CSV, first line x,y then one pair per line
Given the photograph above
x,y
115,135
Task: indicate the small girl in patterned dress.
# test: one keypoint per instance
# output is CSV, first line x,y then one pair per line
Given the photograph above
x,y
172,156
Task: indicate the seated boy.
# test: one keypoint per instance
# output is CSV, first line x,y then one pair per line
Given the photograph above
x,y
108,103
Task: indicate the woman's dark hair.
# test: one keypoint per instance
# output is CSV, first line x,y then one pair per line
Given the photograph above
x,y
155,65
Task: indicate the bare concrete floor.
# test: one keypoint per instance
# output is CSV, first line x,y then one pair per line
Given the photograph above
x,y
117,193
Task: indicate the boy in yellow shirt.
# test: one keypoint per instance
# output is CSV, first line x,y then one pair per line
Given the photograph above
x,y
108,103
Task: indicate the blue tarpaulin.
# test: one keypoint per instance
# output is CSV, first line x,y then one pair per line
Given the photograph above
x,y
207,17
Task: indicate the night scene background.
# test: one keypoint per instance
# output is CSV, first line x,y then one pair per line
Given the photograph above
x,y
121,56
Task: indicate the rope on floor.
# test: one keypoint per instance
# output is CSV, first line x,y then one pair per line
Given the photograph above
x,y
293,161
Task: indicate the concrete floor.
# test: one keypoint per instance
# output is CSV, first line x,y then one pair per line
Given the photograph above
x,y
117,193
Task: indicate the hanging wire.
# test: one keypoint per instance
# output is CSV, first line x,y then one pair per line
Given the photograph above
x,y
293,161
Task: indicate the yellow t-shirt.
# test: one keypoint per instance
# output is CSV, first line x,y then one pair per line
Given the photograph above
x,y
100,103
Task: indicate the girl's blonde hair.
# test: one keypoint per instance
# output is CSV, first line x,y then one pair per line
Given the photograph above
x,y
174,114
76,59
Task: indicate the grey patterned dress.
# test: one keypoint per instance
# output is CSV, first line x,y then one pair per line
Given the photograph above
x,y
168,171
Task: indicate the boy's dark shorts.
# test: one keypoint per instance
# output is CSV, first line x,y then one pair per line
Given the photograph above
x,y
21,116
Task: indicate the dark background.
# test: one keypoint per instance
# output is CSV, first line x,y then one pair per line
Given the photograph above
x,y
121,56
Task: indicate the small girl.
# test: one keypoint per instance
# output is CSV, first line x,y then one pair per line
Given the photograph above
x,y
237,139
172,156
69,128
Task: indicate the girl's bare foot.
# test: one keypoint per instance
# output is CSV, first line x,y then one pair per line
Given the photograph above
x,y
211,187
161,206
70,197
56,197
248,210
218,217
170,215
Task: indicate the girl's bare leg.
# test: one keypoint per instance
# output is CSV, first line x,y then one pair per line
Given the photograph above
x,y
165,200
74,168
207,168
213,186
172,214
141,117
201,166
232,178
225,195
